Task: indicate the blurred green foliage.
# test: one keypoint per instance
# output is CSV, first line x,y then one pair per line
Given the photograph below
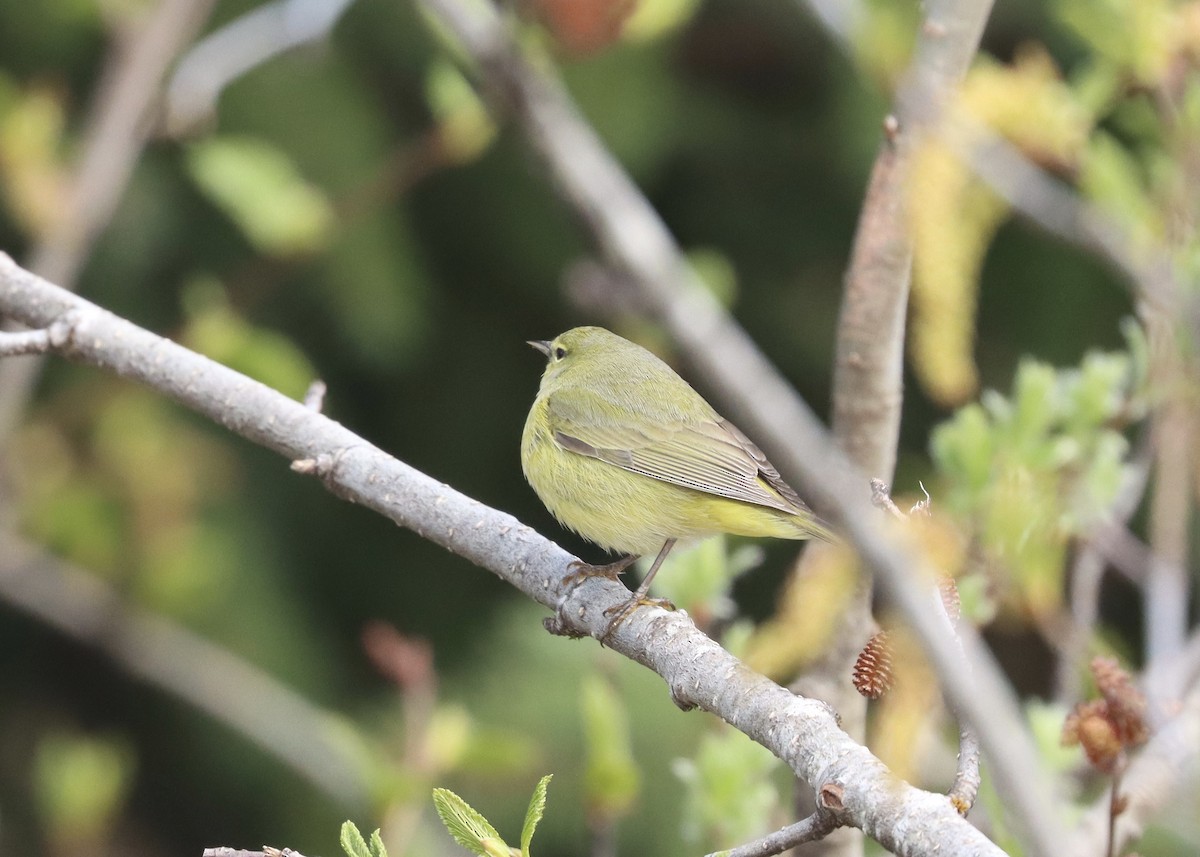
x,y
80,784
731,796
354,214
1027,473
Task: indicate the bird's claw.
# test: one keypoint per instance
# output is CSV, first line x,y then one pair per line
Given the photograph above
x,y
623,611
583,570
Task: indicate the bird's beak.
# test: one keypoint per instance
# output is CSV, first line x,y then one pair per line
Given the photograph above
x,y
542,345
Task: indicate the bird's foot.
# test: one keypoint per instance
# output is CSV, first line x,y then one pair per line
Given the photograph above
x,y
583,570
621,612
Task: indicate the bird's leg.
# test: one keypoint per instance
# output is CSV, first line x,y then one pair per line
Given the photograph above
x,y
639,598
612,571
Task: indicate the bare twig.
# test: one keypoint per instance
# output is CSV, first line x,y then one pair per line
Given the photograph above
x,y
113,138
1165,586
802,732
206,676
967,778
816,826
1060,211
268,851
636,241
1108,541
881,498
314,398
24,342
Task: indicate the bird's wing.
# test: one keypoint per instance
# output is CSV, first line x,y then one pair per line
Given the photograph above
x,y
709,455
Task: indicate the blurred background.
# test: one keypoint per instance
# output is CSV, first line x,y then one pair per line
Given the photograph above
x,y
344,208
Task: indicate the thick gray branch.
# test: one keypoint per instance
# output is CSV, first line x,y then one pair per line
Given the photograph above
x,y
802,732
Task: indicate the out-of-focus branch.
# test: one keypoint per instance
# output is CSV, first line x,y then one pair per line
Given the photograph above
x,y
114,135
230,690
869,354
1060,211
1033,193
867,391
1108,541
1165,586
634,240
246,42
802,732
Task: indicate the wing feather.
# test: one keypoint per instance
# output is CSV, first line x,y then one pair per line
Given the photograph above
x,y
710,455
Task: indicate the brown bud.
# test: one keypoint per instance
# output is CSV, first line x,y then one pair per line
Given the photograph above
x,y
1088,725
1126,704
873,669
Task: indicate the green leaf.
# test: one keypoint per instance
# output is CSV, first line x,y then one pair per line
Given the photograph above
x,y
729,791
352,841
467,128
80,783
537,806
259,187
469,829
611,776
378,849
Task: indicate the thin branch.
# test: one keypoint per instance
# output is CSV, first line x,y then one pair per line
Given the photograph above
x,y
967,778
1165,587
114,135
314,397
635,240
1032,192
802,732
811,829
1125,552
881,498
1060,211
1108,541
24,342
241,45
268,851
212,679
867,390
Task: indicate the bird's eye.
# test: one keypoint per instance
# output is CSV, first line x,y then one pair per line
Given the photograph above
x,y
560,353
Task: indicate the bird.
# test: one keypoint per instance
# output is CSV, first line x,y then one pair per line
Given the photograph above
x,y
624,452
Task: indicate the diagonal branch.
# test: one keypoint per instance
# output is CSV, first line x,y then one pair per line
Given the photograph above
x,y
802,732
245,43
635,240
227,688
868,394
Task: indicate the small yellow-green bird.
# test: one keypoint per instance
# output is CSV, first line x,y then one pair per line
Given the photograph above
x,y
624,452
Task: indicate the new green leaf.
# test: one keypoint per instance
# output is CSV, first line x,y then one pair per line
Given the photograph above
x,y
537,806
469,829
